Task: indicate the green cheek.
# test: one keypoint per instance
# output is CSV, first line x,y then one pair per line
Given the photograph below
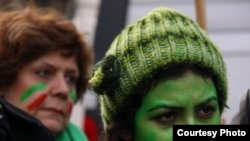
x,y
146,136
73,95
32,90
216,118
147,133
147,130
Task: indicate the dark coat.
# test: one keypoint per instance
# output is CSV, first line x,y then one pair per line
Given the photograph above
x,y
17,125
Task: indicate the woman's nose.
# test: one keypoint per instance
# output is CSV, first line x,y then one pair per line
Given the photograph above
x,y
190,120
60,87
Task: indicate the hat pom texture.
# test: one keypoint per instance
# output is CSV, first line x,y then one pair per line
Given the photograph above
x,y
161,39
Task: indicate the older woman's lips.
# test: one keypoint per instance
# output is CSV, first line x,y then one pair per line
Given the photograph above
x,y
54,110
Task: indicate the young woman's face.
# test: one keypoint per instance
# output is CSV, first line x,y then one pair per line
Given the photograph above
x,y
46,88
190,99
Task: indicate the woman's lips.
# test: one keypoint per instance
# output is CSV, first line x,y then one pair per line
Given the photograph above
x,y
53,110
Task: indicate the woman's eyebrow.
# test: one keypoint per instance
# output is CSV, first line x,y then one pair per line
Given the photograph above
x,y
205,102
46,64
165,106
51,66
73,71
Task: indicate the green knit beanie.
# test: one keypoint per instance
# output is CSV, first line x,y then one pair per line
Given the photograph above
x,y
163,38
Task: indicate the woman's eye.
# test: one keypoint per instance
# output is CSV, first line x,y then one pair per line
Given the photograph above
x,y
44,73
71,79
166,118
205,112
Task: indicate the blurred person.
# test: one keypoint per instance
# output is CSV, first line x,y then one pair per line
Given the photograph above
x,y
160,71
242,117
45,64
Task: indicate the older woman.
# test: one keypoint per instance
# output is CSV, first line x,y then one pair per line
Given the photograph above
x,y
44,65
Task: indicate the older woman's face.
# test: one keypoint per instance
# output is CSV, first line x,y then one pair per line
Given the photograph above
x,y
190,99
46,88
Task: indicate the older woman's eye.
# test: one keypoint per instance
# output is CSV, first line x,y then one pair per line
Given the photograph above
x,y
44,72
71,79
205,112
166,118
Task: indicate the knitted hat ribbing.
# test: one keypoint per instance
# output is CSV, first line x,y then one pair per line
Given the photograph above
x,y
161,39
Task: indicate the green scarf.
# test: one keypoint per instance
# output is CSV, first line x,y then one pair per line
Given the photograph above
x,y
71,133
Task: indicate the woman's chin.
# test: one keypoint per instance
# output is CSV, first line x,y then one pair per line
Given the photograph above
x,y
53,125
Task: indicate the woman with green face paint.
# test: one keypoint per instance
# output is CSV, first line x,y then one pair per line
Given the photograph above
x,y
187,98
45,65
160,71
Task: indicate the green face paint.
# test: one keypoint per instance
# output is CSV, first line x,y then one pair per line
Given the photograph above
x,y
32,90
190,99
73,95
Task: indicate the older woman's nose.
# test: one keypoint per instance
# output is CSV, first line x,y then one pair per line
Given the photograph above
x,y
60,87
